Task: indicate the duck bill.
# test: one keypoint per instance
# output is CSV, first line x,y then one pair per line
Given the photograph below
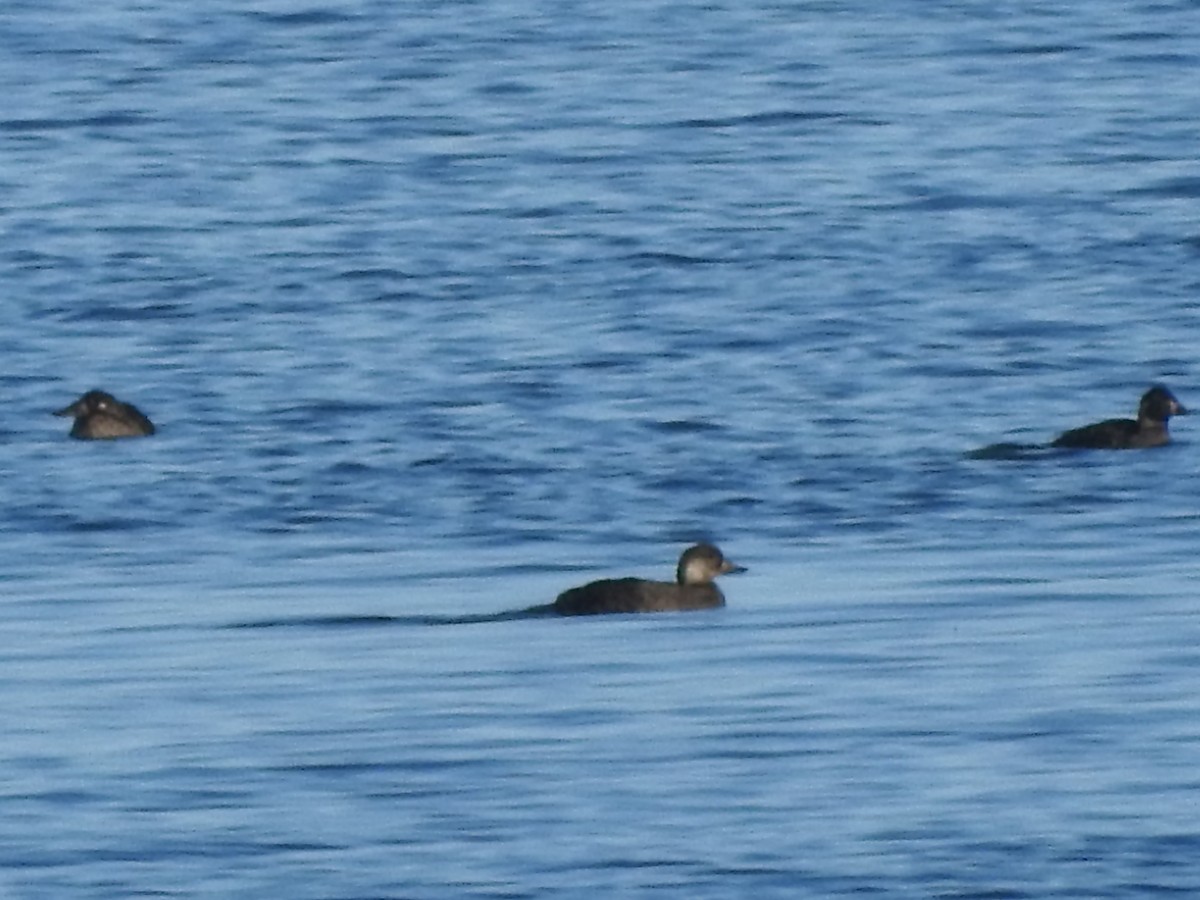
x,y
1178,409
728,568
74,410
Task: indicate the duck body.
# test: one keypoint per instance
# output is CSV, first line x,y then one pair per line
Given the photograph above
x,y
632,595
101,416
1113,434
1149,429
693,589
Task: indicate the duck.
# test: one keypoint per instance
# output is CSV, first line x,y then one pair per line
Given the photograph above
x,y
101,416
693,588
1157,406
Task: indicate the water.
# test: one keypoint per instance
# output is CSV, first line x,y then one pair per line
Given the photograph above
x,y
441,309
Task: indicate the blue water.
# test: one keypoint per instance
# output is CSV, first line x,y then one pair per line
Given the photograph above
x,y
443,308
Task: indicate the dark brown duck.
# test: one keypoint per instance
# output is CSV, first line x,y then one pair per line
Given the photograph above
x,y
101,416
693,588
1149,429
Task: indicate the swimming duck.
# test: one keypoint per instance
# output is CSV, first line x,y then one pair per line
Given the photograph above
x,y
1149,430
99,416
693,588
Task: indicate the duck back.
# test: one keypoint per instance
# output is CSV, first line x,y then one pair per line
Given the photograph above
x,y
635,595
1115,434
103,427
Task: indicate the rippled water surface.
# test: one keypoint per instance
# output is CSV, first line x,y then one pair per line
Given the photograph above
x,y
443,308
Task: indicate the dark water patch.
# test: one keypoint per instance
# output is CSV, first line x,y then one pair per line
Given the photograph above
x,y
104,120
684,426
546,212
716,508
377,621
639,863
649,259
126,312
353,769
39,260
431,461
1159,59
376,274
1013,451
610,362
110,526
761,120
1185,187
303,18
351,469
213,848
508,89
945,201
325,409
1032,50
1141,37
